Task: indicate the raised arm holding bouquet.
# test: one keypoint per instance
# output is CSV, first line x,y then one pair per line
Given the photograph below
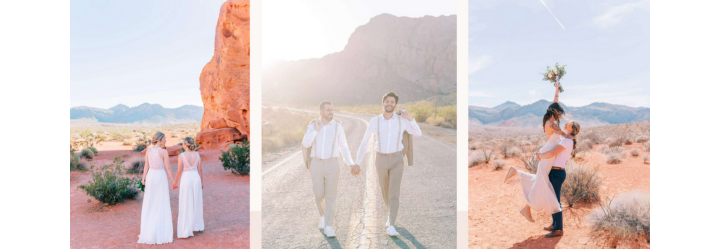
x,y
554,74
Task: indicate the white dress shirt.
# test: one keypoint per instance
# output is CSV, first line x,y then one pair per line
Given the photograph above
x,y
388,137
322,147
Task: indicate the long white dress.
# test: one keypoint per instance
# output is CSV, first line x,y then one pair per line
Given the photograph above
x,y
190,212
156,217
537,189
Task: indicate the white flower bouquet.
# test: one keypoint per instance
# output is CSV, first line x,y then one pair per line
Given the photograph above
x,y
554,74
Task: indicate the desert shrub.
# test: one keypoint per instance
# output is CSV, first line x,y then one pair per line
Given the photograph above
x,y
109,185
610,150
174,134
530,162
449,114
137,166
141,144
282,127
646,158
616,141
585,145
625,218
603,148
582,183
472,146
237,158
436,121
127,142
513,152
479,157
646,147
422,110
498,164
627,140
95,151
635,152
642,139
613,158
87,153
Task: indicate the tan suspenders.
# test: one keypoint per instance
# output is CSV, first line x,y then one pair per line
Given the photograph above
x,y
333,143
397,147
307,151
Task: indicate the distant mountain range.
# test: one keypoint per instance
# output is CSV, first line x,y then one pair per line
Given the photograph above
x,y
510,114
415,57
145,113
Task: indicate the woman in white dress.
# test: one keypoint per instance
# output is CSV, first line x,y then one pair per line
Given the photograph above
x,y
190,211
537,189
156,217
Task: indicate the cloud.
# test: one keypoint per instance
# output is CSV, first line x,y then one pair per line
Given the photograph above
x,y
478,94
615,14
476,64
533,92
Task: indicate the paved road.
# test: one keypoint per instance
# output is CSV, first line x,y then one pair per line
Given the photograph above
x,y
427,215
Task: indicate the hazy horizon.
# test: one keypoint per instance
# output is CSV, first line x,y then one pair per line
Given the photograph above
x,y
550,100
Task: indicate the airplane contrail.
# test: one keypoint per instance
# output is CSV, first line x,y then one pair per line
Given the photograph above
x,y
556,19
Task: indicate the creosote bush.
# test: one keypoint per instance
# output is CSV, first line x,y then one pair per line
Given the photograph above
x,y
582,183
625,218
635,152
530,162
646,147
642,139
237,158
87,153
646,158
109,185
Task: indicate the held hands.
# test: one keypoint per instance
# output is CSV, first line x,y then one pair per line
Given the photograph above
x,y
175,186
405,114
355,169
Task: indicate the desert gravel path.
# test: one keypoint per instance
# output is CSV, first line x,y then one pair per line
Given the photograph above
x,y
427,216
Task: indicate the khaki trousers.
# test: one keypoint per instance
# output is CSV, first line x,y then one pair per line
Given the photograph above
x,y
390,170
324,174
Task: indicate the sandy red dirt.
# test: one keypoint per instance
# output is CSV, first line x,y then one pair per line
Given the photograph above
x,y
495,221
226,210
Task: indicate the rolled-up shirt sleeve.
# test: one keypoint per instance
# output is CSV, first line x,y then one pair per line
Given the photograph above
x,y
413,128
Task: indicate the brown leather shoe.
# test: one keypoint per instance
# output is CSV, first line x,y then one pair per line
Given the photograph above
x,y
555,233
549,228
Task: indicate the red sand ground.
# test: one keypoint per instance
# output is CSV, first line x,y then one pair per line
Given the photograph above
x,y
226,210
495,221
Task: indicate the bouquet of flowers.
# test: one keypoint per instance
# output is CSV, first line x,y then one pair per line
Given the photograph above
x,y
554,74
140,185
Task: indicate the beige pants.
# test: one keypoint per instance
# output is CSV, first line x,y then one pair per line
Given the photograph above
x,y
390,170
324,174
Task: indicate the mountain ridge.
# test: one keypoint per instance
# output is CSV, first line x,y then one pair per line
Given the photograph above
x,y
143,113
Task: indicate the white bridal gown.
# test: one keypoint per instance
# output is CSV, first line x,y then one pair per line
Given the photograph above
x,y
156,219
537,189
190,212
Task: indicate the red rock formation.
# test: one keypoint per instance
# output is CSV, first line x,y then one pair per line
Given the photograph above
x,y
225,80
219,138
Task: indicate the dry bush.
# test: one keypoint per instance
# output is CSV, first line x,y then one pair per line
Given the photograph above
x,y
610,150
584,145
635,152
646,158
622,219
282,127
498,164
603,148
615,141
582,183
580,155
613,158
513,152
642,139
137,166
530,162
482,156
127,143
646,147
435,121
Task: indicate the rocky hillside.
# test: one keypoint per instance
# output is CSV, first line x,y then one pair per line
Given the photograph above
x,y
415,57
596,114
145,113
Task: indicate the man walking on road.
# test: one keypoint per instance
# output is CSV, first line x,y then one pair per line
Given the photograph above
x,y
325,139
388,130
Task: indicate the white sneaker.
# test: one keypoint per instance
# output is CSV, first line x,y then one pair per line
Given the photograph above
x,y
329,232
387,223
321,223
391,231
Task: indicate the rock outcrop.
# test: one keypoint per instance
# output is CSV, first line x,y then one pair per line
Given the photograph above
x,y
225,80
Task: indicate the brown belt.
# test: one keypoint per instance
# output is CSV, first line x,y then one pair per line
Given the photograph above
x,y
558,168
